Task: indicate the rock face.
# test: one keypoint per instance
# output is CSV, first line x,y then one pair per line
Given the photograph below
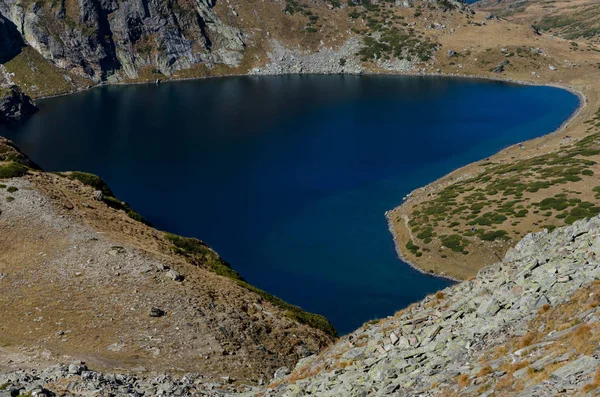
x,y
98,38
14,104
480,336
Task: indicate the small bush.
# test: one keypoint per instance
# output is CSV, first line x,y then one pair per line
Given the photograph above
x,y
412,247
92,180
455,242
12,170
12,189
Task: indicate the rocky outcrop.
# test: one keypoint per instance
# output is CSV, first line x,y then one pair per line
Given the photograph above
x,y
104,38
448,343
14,104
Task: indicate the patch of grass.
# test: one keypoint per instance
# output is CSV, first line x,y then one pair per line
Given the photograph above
x,y
39,77
12,189
107,195
455,242
200,254
412,247
488,218
493,235
91,180
10,199
12,170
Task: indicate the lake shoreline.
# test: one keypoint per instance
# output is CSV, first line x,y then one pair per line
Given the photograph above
x,y
583,101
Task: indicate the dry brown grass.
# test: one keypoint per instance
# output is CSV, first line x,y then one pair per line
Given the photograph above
x,y
544,308
485,371
463,381
595,383
527,339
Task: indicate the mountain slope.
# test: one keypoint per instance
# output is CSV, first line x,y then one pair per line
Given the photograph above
x,y
83,278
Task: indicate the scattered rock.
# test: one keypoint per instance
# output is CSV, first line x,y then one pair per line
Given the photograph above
x,y
500,67
173,275
156,312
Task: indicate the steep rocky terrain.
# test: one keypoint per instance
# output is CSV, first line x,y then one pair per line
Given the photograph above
x,y
529,325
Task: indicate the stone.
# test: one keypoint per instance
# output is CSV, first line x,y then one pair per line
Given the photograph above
x,y
98,195
451,53
281,373
156,312
76,369
14,104
583,365
173,275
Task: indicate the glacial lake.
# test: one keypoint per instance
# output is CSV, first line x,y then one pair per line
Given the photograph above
x,y
288,178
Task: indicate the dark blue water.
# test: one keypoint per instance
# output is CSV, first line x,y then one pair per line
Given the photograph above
x,y
288,178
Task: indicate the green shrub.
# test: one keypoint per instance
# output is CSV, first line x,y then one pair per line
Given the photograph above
x,y
412,247
455,242
91,180
12,189
12,170
492,235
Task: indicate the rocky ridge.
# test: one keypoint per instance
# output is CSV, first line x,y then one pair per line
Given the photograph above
x,y
480,337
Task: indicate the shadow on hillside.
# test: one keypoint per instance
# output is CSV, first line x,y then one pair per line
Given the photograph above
x,y
11,41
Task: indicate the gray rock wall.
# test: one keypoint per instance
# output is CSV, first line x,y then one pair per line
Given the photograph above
x,y
104,38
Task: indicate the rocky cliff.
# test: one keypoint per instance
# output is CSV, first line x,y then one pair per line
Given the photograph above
x,y
99,39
